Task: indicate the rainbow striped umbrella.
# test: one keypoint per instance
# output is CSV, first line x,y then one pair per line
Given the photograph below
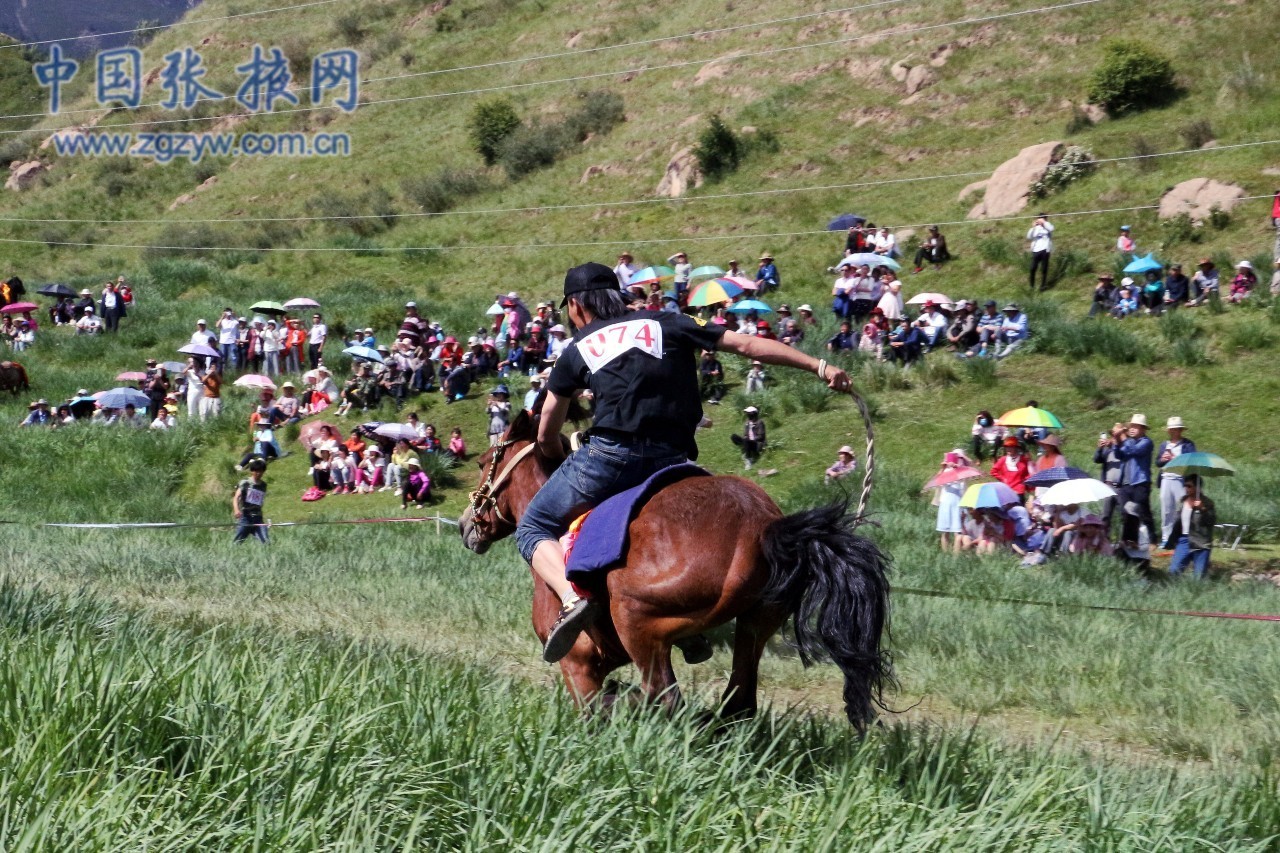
x,y
649,275
988,496
1030,416
713,292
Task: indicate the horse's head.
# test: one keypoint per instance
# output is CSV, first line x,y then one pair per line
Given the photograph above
x,y
509,478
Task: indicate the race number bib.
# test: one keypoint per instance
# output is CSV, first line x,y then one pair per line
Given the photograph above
x,y
607,344
254,497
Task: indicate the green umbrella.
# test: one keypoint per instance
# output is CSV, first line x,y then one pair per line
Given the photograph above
x,y
1203,464
706,272
268,307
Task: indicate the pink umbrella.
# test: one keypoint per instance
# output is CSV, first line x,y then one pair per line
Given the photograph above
x,y
255,380
935,298
131,376
953,475
19,308
741,281
301,302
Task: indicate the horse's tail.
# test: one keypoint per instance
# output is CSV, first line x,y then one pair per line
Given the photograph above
x,y
834,584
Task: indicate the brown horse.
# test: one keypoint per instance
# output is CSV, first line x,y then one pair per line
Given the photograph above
x,y
13,377
703,551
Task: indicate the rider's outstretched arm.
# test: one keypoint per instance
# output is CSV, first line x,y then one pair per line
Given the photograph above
x,y
776,352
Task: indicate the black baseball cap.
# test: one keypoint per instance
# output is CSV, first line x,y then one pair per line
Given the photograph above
x,y
589,276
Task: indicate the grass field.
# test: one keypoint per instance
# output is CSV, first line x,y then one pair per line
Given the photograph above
x,y
378,687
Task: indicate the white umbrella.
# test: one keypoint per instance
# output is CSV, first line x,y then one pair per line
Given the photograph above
x,y
935,298
1076,492
495,309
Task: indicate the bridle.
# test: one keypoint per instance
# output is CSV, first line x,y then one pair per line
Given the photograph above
x,y
482,499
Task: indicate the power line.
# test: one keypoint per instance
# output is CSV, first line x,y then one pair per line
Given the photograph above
x,y
569,245
626,202
525,59
178,23
603,74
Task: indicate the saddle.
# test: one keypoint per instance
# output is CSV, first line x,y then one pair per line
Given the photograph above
x,y
598,540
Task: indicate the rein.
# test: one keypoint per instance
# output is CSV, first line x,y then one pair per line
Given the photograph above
x,y
484,494
868,476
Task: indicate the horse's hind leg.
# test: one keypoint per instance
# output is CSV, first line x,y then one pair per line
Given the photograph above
x,y
752,633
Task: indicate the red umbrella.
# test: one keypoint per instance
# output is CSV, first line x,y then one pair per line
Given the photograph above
x,y
19,307
953,475
310,433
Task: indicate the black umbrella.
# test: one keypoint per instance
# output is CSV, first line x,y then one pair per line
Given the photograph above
x,y
56,290
844,222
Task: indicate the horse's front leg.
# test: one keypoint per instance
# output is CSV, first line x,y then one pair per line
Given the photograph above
x,y
645,641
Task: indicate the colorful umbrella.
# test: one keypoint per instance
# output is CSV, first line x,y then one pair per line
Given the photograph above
x,y
747,306
741,281
300,302
1029,416
256,380
365,353
1204,464
1141,265
952,475
201,350
872,260
713,292
1053,476
1084,491
268,307
935,298
988,496
19,308
648,275
705,272
131,376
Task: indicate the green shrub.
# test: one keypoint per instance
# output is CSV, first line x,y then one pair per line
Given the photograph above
x,y
490,124
718,150
1145,150
1131,77
1189,352
532,147
13,149
350,27
1068,263
1079,121
1218,218
597,112
1196,133
1179,229
1103,337
364,215
1249,335
1001,252
1178,326
981,372
443,190
1241,84
938,371
1087,385
1077,162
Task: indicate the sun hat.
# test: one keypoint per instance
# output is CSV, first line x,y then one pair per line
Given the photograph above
x,y
1051,440
751,410
1126,282
472,341
415,463
86,292
535,380
1012,306
1175,423
1138,420
1106,276
766,257
587,277
784,308
450,340
806,307
556,328
411,305
384,348
845,449
288,385
1205,262
1010,441
950,458
1244,265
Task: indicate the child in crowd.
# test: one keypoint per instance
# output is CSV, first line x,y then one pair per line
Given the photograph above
x,y
247,502
397,467
755,378
844,465
457,447
498,408
369,476
753,438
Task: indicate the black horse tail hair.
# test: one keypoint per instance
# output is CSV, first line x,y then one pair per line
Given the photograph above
x,y
834,585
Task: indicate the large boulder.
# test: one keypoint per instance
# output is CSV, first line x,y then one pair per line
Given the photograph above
x,y
919,77
1197,197
682,174
23,176
1008,187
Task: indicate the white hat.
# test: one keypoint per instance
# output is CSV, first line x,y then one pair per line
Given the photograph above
x,y
83,392
535,380
1175,423
806,307
556,328
1138,420
513,295
201,323
411,305
1126,282
751,410
414,462
472,341
845,449
1244,265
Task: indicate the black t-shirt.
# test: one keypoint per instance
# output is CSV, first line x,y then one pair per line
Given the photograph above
x,y
252,496
642,370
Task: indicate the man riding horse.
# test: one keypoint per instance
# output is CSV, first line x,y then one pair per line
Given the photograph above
x,y
642,370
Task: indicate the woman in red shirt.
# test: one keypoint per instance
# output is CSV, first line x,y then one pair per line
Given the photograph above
x,y
1011,469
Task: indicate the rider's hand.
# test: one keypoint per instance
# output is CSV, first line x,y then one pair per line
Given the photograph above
x,y
837,379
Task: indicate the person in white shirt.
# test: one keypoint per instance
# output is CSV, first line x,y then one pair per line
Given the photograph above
x,y
228,332
559,340
165,419
1040,243
315,340
201,334
270,337
624,270
680,263
884,243
89,324
937,323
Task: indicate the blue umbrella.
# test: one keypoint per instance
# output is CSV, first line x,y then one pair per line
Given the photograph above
x,y
746,306
366,353
118,398
1052,476
1141,265
844,222
871,259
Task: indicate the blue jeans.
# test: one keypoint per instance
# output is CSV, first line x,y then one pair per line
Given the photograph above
x,y
247,527
602,468
228,355
1183,553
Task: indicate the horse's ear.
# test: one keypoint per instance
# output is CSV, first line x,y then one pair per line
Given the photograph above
x,y
524,426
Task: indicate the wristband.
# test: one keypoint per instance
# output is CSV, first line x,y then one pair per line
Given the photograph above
x,y
822,369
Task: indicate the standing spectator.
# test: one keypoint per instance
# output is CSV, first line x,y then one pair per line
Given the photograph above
x,y
1177,288
1104,295
891,297
1192,534
680,263
1275,279
1204,284
1124,243
228,332
156,386
413,326
271,340
753,437
844,465
986,436
315,340
711,377
295,340
626,268
842,291
247,503
1244,282
734,271
1135,489
1275,223
755,378
864,291
933,250
1040,244
1171,483
1051,454
195,388
211,401
1013,331
111,307
498,408
1012,468
200,337
948,523
86,301
255,346
767,275
1112,469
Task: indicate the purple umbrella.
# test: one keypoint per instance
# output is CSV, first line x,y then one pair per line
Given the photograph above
x,y
398,432
200,349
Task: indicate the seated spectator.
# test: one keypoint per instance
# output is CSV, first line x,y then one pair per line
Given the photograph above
x,y
1014,331
356,445
1091,537
457,447
320,474
1177,288
38,414
88,324
933,250
843,340
166,419
1204,284
982,530
789,331
1244,282
369,477
397,468
417,485
24,336
755,378
884,243
1050,454
288,406
1152,295
1064,523
935,324
430,441
987,436
906,342
844,465
989,323
1126,302
806,316
874,333
962,332
341,471
1104,295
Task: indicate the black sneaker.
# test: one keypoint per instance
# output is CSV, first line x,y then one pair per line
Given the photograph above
x,y
696,649
575,617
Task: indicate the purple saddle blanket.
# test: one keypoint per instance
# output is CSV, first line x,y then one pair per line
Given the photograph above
x,y
602,541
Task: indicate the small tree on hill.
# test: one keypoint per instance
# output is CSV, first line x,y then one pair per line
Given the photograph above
x,y
1131,77
719,151
491,122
